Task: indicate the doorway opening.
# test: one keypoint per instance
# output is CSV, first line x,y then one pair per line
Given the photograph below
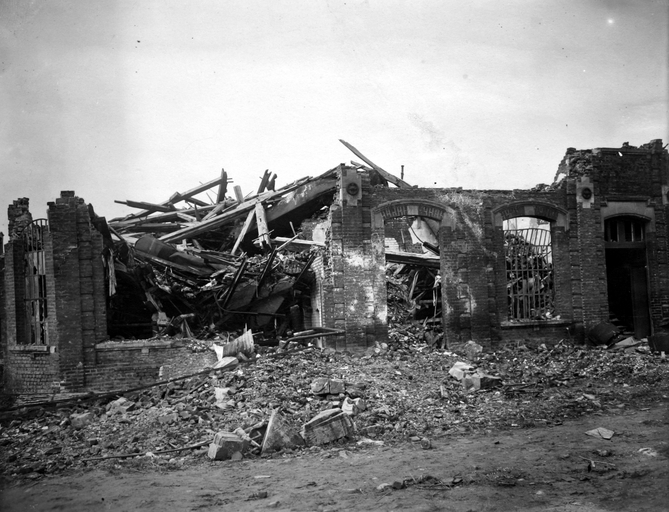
x,y
626,275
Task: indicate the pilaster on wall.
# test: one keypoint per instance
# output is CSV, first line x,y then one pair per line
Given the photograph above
x,y
357,301
588,258
78,285
466,280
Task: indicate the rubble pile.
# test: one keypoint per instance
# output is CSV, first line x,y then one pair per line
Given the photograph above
x,y
203,268
295,396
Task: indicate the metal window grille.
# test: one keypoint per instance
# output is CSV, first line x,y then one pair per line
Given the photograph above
x,y
529,274
624,229
35,282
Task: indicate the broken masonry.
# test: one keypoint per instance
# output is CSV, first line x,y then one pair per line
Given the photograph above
x,y
339,260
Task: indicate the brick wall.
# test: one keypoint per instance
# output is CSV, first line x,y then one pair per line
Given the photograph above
x,y
474,288
354,296
123,365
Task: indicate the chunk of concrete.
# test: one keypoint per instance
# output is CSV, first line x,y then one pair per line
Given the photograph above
x,y
280,434
460,369
328,426
120,406
81,420
225,445
325,386
353,406
476,381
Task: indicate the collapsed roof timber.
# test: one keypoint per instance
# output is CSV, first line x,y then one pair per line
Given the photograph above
x,y
338,258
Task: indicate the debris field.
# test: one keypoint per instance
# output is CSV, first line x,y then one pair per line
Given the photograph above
x,y
403,392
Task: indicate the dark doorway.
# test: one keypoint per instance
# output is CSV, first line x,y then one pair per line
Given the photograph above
x,y
626,274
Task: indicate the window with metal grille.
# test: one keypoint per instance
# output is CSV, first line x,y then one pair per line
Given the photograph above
x,y
624,229
529,269
35,282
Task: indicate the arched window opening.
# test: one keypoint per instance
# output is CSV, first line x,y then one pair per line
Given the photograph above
x,y
411,235
529,269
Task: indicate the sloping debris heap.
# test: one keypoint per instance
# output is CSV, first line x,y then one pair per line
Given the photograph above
x,y
286,399
206,268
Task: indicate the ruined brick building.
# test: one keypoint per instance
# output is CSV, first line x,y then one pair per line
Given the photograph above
x,y
543,264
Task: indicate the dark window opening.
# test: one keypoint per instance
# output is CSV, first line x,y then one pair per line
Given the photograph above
x,y
529,269
35,283
624,230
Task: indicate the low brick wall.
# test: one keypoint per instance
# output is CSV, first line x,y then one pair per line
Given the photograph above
x,y
32,371
123,365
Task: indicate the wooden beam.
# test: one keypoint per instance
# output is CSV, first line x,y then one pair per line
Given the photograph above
x,y
390,177
238,194
242,233
149,207
237,210
261,222
222,187
209,224
182,195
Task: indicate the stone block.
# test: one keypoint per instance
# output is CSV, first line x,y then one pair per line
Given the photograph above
x,y
226,445
327,426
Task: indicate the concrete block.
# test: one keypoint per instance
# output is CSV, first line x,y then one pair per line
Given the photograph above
x,y
460,369
327,426
226,445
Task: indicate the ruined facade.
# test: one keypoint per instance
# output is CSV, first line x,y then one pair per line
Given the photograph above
x,y
544,264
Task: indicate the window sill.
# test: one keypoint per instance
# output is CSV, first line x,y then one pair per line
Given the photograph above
x,y
33,348
534,323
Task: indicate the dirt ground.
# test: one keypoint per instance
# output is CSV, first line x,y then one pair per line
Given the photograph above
x,y
557,468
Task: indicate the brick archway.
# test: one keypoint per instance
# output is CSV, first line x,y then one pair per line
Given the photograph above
x,y
545,211
412,208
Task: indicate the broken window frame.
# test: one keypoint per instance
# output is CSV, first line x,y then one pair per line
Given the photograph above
x,y
529,273
35,279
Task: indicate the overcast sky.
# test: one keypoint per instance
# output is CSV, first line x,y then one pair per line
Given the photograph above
x,y
121,99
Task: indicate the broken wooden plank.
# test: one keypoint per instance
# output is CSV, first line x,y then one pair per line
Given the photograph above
x,y
209,224
222,187
242,233
391,178
196,202
234,284
294,241
149,207
261,222
425,260
263,181
183,195
238,194
265,271
236,211
311,259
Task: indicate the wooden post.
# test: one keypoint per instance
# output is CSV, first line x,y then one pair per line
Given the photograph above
x,y
223,187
